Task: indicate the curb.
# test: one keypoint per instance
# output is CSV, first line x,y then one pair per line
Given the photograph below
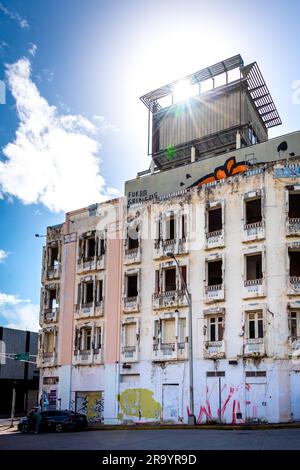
x,y
203,427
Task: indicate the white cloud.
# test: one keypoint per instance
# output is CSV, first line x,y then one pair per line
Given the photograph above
x,y
103,123
54,157
10,299
3,255
32,49
18,313
14,16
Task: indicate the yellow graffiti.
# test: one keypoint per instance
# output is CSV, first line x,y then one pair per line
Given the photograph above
x,y
92,399
139,402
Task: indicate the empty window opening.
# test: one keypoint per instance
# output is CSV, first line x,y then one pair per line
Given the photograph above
x,y
157,281
101,246
183,227
168,331
132,285
214,271
253,211
294,205
295,323
90,247
130,335
215,329
52,299
99,290
87,339
133,238
53,255
214,219
254,267
294,263
170,228
183,276
98,338
170,279
89,292
255,325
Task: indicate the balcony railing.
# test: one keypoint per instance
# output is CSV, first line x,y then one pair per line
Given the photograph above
x,y
169,298
85,352
50,313
132,255
213,288
214,234
253,231
90,263
131,304
166,294
128,349
253,282
293,225
131,252
48,355
169,351
87,304
169,242
254,347
295,280
214,349
253,226
166,346
53,271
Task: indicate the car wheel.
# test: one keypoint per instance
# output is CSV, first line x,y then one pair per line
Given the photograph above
x,y
24,428
58,427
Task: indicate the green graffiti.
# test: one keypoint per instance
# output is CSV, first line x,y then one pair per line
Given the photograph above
x,y
141,400
171,152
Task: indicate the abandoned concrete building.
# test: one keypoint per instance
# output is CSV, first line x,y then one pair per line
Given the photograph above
x,y
182,299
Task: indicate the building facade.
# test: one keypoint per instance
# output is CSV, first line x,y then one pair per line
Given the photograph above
x,y
14,374
216,219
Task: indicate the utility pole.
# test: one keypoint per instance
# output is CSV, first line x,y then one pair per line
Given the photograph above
x,y
13,406
191,417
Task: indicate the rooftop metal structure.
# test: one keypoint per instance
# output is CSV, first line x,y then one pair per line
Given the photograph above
x,y
257,88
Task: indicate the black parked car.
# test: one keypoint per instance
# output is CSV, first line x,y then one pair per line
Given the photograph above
x,y
56,420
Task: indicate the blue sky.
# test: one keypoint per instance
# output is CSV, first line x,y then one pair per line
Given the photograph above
x,y
74,72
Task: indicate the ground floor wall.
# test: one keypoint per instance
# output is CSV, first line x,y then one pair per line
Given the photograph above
x,y
231,392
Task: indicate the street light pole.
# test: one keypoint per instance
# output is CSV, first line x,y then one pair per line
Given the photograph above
x,y
191,417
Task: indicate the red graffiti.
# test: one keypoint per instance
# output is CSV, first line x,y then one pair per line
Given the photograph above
x,y
233,412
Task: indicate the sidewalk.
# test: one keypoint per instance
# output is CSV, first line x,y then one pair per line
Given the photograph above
x,y
5,424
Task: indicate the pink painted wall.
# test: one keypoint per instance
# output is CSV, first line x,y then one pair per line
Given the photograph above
x,y
66,318
113,293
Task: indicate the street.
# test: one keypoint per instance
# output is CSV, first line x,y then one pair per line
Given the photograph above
x,y
181,439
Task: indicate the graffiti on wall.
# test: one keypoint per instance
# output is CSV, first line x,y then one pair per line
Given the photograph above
x,y
234,399
91,404
230,168
139,403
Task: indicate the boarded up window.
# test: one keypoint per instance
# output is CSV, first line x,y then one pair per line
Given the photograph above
x,y
130,334
169,331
